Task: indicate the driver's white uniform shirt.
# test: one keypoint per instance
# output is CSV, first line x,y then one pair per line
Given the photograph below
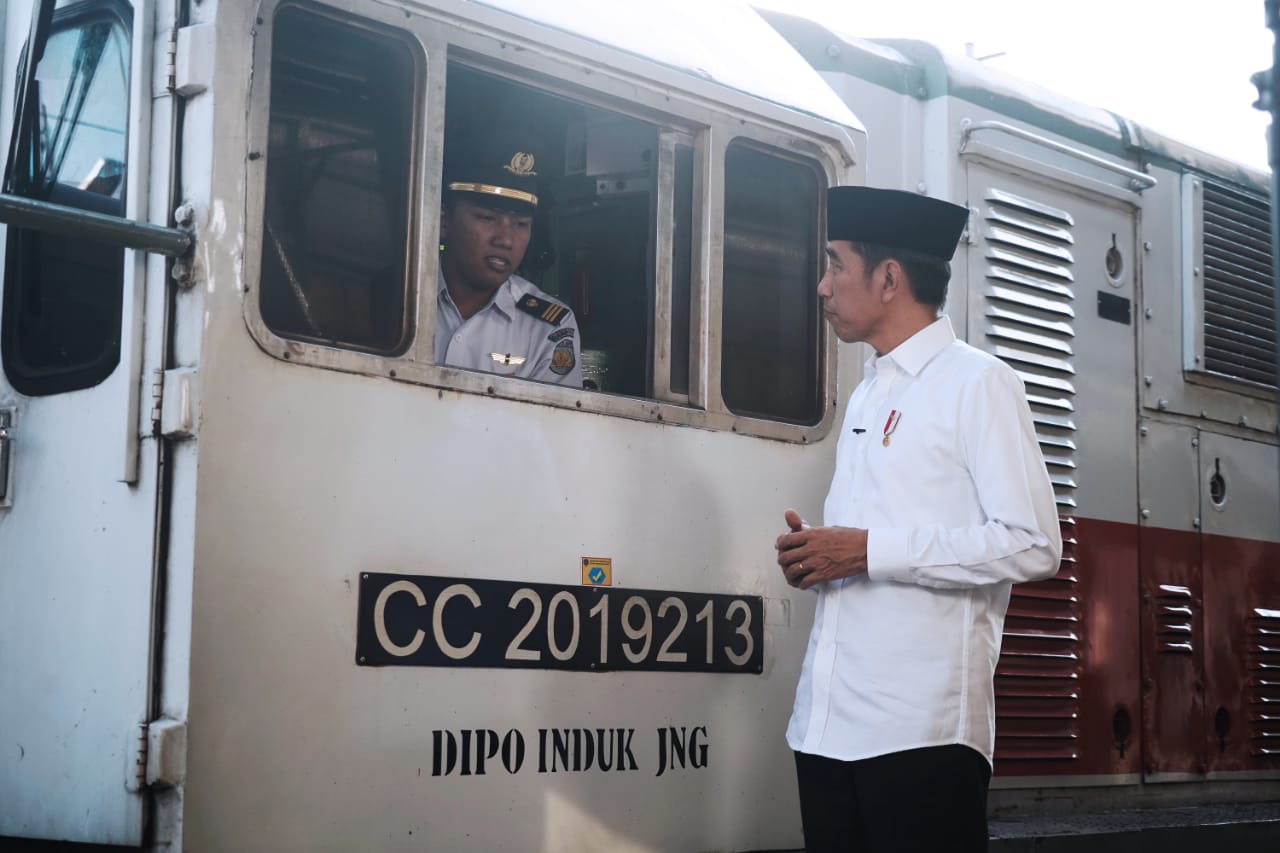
x,y
502,338
958,506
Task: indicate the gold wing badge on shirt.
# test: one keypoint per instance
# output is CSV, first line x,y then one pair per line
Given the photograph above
x,y
507,358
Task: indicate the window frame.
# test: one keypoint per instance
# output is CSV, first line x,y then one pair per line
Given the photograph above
x,y
684,112
18,373
1194,282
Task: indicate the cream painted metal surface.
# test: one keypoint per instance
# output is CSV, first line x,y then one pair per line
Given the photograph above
x,y
1243,502
76,541
310,477
1046,262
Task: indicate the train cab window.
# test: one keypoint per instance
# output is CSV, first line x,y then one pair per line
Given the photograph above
x,y
593,231
682,233
63,294
770,335
335,241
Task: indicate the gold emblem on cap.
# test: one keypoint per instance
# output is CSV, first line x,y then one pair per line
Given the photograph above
x,y
521,164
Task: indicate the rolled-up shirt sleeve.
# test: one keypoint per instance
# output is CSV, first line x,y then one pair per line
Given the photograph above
x,y
1019,540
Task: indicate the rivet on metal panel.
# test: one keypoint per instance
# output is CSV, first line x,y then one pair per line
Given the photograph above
x,y
1143,430
1146,380
1195,442
1244,421
184,214
1146,513
1195,522
1148,313
1146,245
1162,404
1195,271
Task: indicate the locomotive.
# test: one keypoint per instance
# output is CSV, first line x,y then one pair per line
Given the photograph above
x,y
272,578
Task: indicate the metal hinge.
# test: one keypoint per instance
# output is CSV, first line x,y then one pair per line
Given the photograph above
x,y
175,408
136,773
157,399
171,62
159,755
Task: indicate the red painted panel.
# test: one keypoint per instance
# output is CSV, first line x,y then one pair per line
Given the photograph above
x,y
1172,651
1170,635
1067,680
1242,653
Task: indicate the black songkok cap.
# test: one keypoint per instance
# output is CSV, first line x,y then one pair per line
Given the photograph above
x,y
501,172
896,220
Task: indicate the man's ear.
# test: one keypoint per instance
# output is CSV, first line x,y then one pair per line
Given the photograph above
x,y
893,279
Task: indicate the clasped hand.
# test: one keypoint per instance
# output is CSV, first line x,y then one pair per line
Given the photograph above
x,y
814,555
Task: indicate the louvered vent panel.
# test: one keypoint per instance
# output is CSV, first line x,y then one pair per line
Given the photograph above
x,y
1239,314
1029,318
1264,682
1037,681
1028,255
1176,611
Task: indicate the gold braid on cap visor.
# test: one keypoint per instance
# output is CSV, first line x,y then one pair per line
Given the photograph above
x,y
490,189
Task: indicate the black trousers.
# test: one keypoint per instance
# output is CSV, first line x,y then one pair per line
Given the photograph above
x,y
930,800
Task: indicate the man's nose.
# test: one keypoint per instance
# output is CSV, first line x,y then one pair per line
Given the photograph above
x,y
504,234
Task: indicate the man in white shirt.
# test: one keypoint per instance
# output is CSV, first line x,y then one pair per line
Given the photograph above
x,y
487,317
939,503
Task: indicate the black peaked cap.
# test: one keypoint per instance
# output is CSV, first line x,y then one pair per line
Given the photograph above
x,y
495,171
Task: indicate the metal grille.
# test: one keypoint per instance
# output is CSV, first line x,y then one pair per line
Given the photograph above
x,y
1037,681
1028,321
1239,314
1264,682
1175,617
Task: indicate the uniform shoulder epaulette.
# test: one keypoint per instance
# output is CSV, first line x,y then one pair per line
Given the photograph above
x,y
544,309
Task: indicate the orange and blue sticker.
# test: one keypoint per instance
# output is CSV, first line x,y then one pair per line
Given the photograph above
x,y
597,571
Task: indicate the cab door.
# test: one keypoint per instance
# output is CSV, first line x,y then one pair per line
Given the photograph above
x,y
78,483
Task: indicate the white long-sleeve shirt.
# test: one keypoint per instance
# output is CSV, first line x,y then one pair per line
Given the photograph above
x,y
502,338
959,507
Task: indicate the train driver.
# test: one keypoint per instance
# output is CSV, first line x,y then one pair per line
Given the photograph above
x,y
487,317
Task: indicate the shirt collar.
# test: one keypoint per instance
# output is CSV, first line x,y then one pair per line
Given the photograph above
x,y
913,354
503,301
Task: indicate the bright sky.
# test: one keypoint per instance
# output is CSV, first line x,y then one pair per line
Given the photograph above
x,y
1180,68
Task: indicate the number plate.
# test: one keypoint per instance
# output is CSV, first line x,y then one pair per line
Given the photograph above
x,y
407,620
